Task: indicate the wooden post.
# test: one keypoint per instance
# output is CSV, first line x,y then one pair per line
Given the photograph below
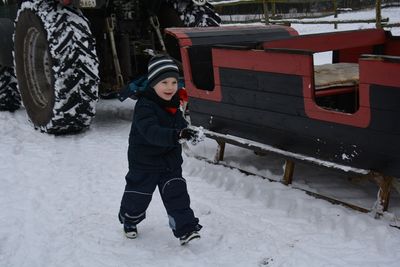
x,y
385,185
288,172
266,15
335,12
335,8
219,156
378,14
273,8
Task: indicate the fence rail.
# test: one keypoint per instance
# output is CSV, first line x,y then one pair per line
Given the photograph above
x,y
326,21
268,19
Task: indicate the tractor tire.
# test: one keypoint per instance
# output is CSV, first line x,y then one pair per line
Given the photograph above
x,y
195,16
10,99
56,66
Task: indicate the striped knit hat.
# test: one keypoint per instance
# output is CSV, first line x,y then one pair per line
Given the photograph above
x,y
161,67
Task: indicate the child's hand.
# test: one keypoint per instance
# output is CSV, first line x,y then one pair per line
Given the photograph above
x,y
192,135
187,134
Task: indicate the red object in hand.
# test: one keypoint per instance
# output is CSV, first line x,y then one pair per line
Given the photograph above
x,y
183,96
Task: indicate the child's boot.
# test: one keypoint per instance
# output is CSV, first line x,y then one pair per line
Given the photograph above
x,y
189,236
130,228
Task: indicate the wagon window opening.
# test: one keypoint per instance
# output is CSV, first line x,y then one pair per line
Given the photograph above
x,y
200,58
336,86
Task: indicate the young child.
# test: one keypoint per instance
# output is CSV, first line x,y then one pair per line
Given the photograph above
x,y
154,155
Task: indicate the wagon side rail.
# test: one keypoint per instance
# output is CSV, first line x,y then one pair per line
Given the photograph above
x,y
363,39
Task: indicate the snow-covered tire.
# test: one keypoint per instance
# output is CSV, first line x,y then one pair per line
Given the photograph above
x,y
10,99
194,15
56,66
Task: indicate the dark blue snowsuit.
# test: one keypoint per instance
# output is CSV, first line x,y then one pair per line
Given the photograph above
x,y
155,159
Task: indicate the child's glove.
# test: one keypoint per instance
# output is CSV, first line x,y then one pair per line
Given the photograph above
x,y
187,134
194,136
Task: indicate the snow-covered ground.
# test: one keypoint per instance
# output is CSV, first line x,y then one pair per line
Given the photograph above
x,y
59,198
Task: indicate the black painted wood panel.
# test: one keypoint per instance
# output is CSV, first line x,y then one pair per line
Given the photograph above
x,y
302,126
262,81
345,154
264,101
237,36
385,97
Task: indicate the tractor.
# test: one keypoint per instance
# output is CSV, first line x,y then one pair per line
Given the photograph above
x,y
58,57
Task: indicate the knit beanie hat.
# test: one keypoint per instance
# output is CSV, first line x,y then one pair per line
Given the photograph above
x,y
161,67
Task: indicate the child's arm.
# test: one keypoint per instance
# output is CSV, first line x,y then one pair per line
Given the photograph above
x,y
148,125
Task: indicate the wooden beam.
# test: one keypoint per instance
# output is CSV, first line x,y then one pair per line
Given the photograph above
x,y
266,12
281,21
288,172
385,185
378,22
219,156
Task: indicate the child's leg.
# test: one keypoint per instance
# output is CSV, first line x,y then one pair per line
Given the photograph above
x,y
176,200
138,192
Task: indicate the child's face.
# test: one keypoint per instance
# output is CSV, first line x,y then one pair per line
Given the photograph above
x,y
166,88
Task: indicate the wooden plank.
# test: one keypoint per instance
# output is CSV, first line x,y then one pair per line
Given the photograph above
x,y
260,117
278,83
236,35
335,91
263,100
321,42
379,57
344,21
388,121
219,156
263,61
288,172
379,72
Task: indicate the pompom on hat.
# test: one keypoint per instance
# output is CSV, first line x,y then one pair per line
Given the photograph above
x,y
161,67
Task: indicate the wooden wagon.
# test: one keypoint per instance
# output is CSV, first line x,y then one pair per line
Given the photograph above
x,y
260,83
